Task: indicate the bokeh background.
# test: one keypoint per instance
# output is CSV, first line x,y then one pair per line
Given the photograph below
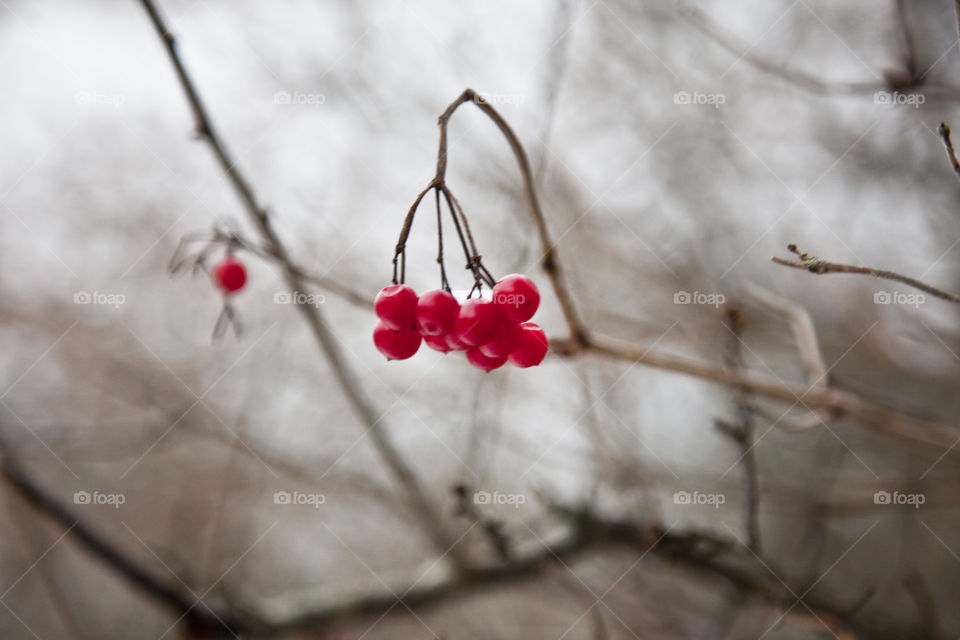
x,y
675,146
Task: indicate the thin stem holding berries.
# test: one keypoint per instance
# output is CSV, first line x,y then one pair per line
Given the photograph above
x,y
819,266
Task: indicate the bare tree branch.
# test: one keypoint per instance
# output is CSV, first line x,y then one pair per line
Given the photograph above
x,y
327,341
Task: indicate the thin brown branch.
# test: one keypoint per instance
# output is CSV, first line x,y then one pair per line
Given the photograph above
x,y
741,432
326,340
944,132
819,266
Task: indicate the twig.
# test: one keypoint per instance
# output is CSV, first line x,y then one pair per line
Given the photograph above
x,y
819,266
325,338
944,132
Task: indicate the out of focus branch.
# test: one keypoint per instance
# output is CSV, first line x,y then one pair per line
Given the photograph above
x,y
327,341
899,80
194,611
944,132
819,266
741,432
700,553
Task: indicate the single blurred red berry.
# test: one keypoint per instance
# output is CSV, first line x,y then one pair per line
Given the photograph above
x,y
437,312
396,345
518,296
533,347
396,305
230,274
438,343
504,342
478,321
481,361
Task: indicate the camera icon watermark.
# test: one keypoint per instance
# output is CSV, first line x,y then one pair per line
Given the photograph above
x,y
699,98
696,498
298,297
897,297
98,498
99,298
897,498
299,498
698,297
897,98
498,498
299,99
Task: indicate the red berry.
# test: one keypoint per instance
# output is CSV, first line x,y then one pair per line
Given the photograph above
x,y
533,347
396,345
518,296
477,322
396,305
437,312
230,274
481,361
438,343
504,342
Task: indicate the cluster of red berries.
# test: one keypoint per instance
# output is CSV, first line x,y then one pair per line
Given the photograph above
x,y
489,331
230,274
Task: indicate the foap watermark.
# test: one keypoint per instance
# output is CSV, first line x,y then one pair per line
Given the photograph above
x,y
96,98
898,498
298,297
896,97
100,298
299,99
896,297
510,299
486,497
299,498
96,497
699,98
698,297
514,99
697,498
